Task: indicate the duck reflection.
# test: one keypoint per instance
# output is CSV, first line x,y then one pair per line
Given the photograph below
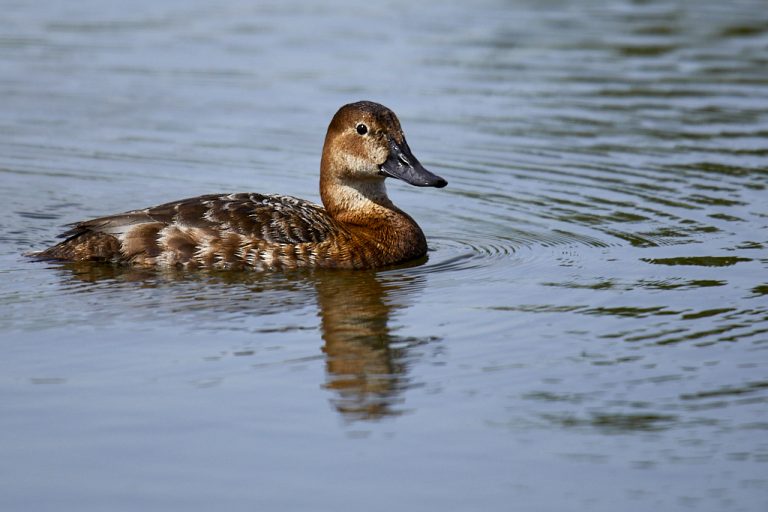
x,y
366,363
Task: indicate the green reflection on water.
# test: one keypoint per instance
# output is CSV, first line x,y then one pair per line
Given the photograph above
x,y
617,422
699,261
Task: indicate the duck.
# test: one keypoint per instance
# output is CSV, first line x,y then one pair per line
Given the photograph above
x,y
356,227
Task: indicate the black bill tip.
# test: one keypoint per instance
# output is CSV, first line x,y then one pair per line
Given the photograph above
x,y
439,183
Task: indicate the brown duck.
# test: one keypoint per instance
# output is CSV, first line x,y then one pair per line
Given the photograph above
x,y
359,226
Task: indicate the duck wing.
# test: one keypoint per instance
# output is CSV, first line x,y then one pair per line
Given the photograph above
x,y
210,229
272,218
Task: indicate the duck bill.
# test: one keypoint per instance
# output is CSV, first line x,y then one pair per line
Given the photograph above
x,y
401,164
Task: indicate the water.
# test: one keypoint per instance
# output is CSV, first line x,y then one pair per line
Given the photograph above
x,y
589,332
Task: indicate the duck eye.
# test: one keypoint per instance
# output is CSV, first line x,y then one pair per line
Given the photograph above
x,y
361,129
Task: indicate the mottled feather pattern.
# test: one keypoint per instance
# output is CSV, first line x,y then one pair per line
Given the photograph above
x,y
225,231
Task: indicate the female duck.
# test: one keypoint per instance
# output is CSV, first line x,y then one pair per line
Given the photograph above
x,y
358,228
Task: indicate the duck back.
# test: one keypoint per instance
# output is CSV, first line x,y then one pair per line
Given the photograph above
x,y
218,231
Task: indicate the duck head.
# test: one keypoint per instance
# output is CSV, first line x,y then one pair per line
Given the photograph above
x,y
364,145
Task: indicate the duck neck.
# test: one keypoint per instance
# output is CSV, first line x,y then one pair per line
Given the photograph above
x,y
364,209
356,202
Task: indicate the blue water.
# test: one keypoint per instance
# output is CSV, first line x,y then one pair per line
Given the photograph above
x,y
588,333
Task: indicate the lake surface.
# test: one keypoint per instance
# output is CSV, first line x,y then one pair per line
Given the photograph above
x,y
590,331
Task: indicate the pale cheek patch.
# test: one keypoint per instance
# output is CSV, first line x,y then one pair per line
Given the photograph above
x,y
357,166
380,154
